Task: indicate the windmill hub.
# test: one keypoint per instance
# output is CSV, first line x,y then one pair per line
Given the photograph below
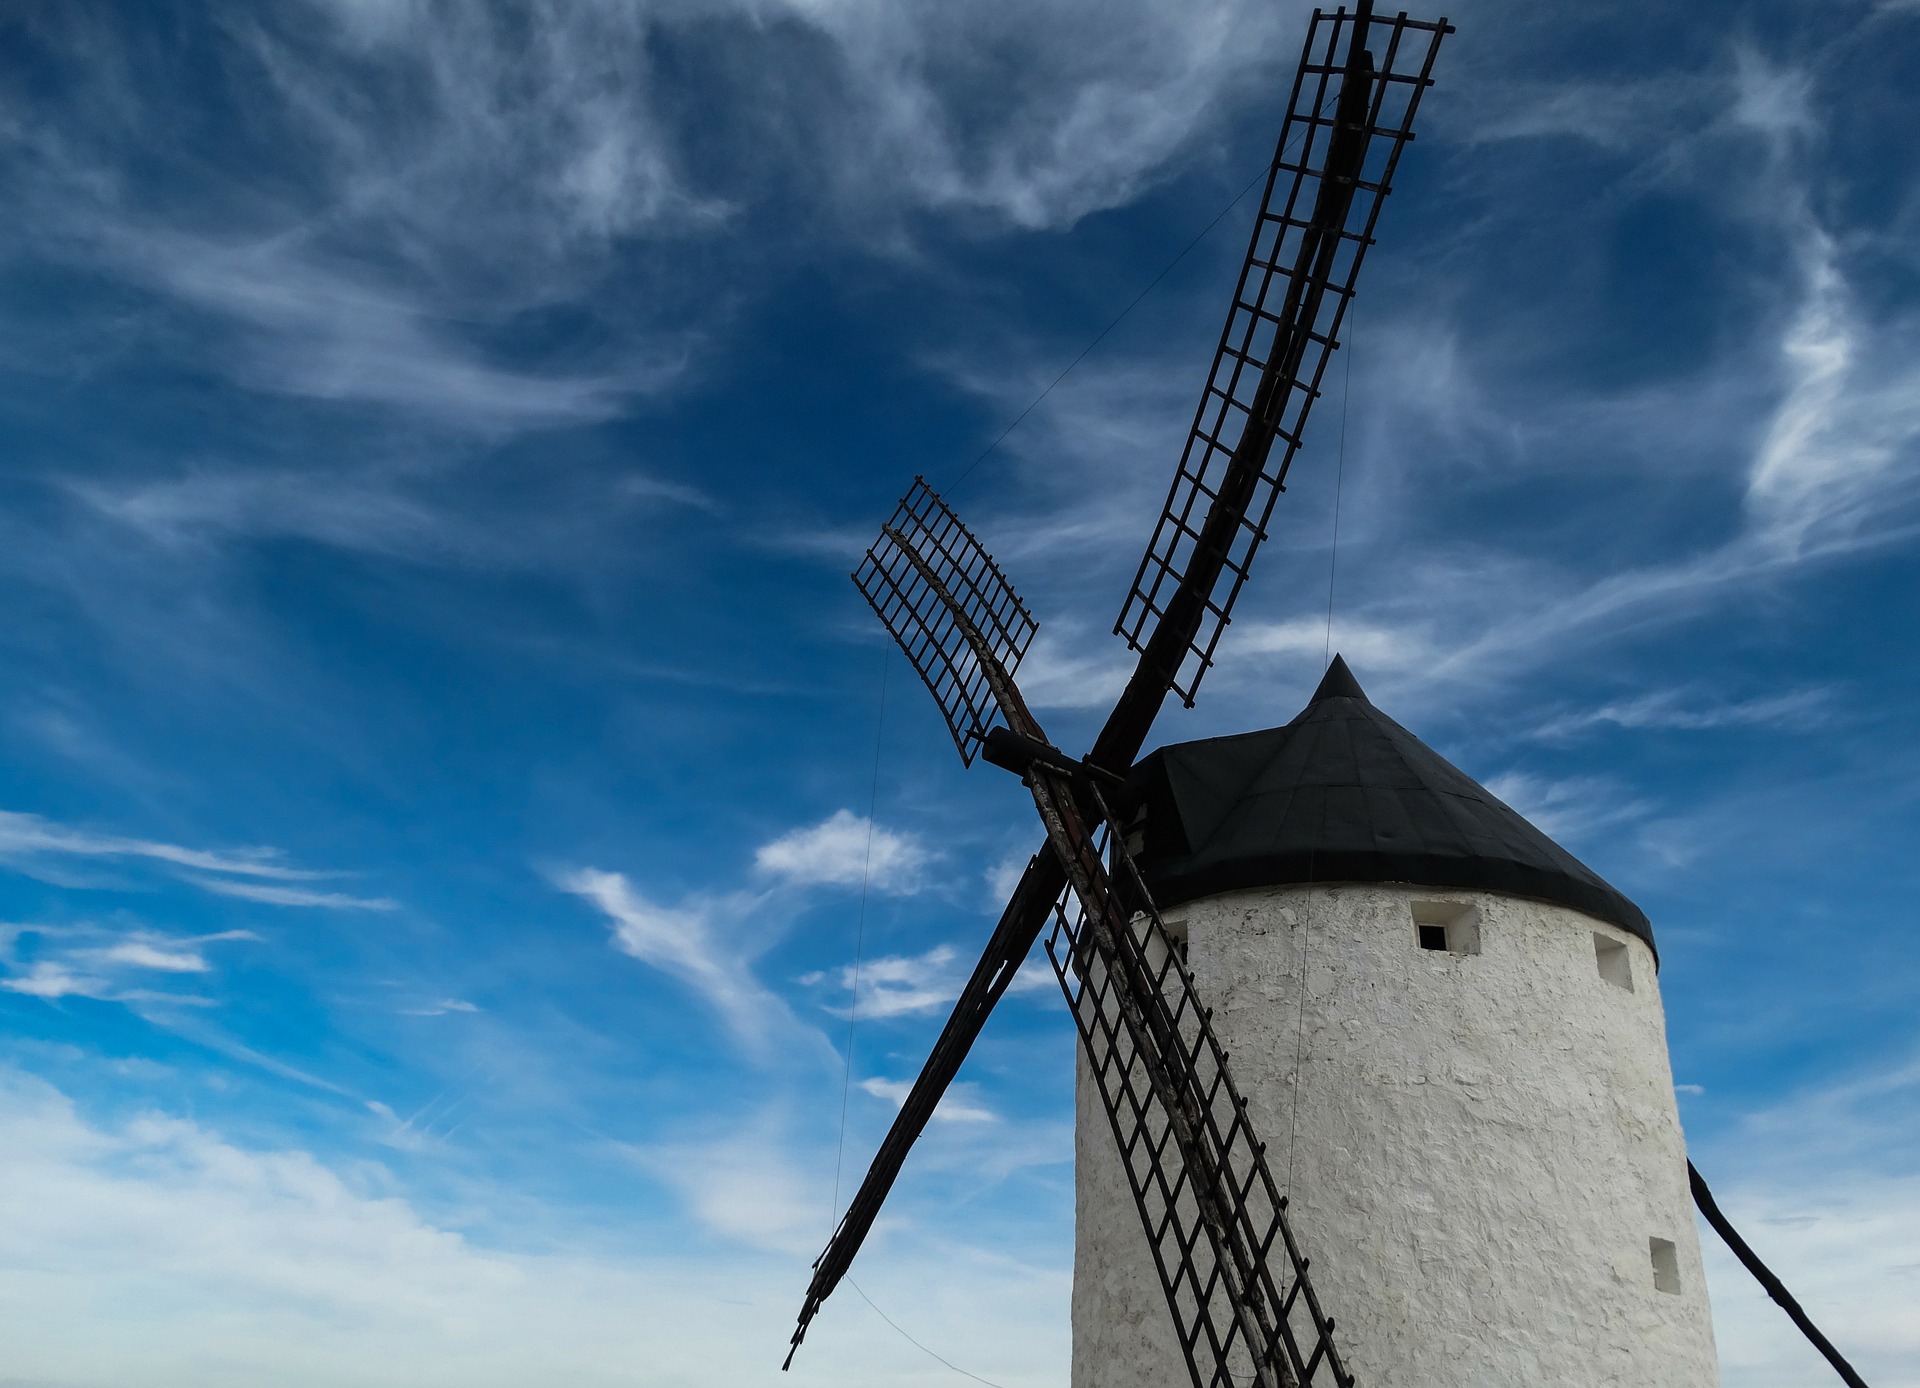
x,y
1015,752
1449,1032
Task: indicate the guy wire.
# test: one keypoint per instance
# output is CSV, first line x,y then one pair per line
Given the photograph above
x,y
860,929
915,1343
1340,478
1100,337
853,1007
1326,659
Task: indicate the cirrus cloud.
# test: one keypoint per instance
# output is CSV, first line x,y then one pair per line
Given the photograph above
x,y
844,850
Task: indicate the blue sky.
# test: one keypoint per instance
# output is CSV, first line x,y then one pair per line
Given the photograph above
x,y
438,737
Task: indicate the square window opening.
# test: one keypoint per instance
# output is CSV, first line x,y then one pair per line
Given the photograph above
x,y
1446,925
1615,964
1666,1265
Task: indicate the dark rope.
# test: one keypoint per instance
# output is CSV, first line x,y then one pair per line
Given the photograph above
x,y
1764,1276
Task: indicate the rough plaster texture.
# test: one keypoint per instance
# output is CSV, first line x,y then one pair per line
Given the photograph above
x,y
1485,1145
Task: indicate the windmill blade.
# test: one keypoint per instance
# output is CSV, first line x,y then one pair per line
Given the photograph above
x,y
965,631
1214,1218
1020,925
1198,1175
1350,116
943,599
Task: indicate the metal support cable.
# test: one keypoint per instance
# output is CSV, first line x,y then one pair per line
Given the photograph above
x,y
860,931
915,1343
853,1012
1101,336
1764,1276
1326,659
1340,480
1118,318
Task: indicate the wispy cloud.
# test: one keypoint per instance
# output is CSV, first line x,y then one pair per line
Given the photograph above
x,y
394,243
1003,875
26,834
1684,710
684,943
87,961
709,941
1569,808
1059,674
1364,643
1837,466
416,515
441,1008
897,985
263,1247
27,841
954,1106
1817,1184
901,985
757,1185
845,850
143,954
1846,1249
312,328
50,980
294,896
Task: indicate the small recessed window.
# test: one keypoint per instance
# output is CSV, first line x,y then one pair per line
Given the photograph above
x,y
1666,1265
1446,925
1615,965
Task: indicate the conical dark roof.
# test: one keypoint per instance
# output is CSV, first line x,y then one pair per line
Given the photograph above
x,y
1345,794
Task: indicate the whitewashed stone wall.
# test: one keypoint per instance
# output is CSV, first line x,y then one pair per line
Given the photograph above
x,y
1487,1144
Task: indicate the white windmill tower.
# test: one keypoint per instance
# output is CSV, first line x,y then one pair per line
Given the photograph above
x,y
1449,1093
1449,1031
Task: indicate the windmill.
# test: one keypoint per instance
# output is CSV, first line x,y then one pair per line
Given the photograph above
x,y
1234,1277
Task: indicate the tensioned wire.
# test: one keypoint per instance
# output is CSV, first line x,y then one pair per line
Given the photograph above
x,y
853,1014
853,1007
1119,317
1326,659
860,932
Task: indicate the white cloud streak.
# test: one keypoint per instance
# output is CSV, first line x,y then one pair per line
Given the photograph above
x,y
27,834
1059,675
142,954
91,962
253,874
1820,1184
1364,643
1678,709
903,985
1566,809
295,896
748,1186
442,173
310,1274
898,985
845,850
954,1106
440,1008
684,943
330,332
